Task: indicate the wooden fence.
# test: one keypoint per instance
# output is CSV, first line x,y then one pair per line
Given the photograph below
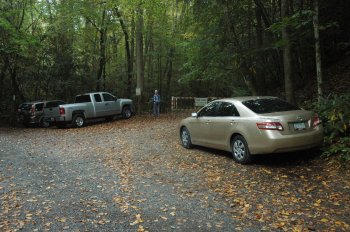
x,y
189,103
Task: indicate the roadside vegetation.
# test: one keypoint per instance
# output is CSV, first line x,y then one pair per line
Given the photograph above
x,y
335,114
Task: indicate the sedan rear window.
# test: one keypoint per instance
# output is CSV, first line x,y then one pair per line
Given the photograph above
x,y
269,105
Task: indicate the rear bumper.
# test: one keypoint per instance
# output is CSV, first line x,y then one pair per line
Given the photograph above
x,y
57,120
274,142
27,120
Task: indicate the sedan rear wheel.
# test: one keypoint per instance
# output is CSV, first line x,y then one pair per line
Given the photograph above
x,y
240,151
185,138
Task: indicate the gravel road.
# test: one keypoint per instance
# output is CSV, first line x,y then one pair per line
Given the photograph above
x,y
133,175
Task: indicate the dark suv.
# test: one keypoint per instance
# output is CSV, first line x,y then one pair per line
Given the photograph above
x,y
33,113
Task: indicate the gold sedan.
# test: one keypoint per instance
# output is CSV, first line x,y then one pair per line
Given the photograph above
x,y
248,126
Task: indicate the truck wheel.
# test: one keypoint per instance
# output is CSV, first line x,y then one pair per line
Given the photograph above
x,y
78,120
126,112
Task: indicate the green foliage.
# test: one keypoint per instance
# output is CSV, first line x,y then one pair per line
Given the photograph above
x,y
300,25
341,147
335,114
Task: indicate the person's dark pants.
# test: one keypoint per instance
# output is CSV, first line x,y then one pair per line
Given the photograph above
x,y
156,108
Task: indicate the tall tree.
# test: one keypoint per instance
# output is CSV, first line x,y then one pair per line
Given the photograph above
x,y
139,54
287,54
129,58
317,51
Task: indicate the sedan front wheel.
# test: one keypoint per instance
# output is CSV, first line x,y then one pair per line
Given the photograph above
x,y
240,151
185,138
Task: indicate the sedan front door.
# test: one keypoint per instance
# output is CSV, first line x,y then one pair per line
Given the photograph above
x,y
200,128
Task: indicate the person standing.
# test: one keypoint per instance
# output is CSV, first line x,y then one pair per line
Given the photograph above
x,y
156,103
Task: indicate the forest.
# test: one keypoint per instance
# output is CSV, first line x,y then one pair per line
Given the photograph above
x,y
56,49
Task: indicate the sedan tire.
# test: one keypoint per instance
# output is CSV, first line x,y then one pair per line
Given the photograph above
x,y
240,151
186,138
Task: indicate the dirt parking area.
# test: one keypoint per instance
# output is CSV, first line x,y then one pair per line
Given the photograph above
x,y
134,175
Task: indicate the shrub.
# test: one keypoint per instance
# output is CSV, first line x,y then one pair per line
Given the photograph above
x,y
335,114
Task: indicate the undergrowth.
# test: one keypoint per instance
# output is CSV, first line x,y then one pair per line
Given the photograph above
x,y
334,112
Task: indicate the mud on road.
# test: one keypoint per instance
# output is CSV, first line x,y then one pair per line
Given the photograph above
x,y
134,175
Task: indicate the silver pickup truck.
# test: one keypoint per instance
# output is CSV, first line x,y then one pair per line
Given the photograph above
x,y
91,106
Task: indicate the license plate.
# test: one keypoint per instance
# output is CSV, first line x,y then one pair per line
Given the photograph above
x,y
299,126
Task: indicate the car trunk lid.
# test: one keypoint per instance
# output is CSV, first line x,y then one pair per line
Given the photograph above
x,y
293,122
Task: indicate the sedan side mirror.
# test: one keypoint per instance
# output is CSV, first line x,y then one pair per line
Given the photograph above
x,y
195,115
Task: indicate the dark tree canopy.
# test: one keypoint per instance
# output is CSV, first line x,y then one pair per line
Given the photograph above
x,y
57,49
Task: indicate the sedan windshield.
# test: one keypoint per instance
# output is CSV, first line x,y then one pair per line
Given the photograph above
x,y
269,105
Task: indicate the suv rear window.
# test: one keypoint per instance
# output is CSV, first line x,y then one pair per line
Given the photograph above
x,y
39,106
82,99
269,105
25,106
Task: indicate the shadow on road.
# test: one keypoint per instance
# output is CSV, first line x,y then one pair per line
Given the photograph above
x,y
272,160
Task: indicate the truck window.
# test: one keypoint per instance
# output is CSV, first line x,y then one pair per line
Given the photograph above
x,y
97,97
82,99
108,97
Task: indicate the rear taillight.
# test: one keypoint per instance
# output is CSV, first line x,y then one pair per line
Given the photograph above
x,y
316,120
270,126
32,110
62,111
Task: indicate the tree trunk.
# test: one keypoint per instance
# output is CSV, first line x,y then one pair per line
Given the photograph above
x,y
169,71
128,53
102,63
275,54
15,87
260,70
139,56
318,52
287,56
3,75
171,54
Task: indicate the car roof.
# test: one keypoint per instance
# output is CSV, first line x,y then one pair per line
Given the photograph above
x,y
245,98
35,102
93,93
